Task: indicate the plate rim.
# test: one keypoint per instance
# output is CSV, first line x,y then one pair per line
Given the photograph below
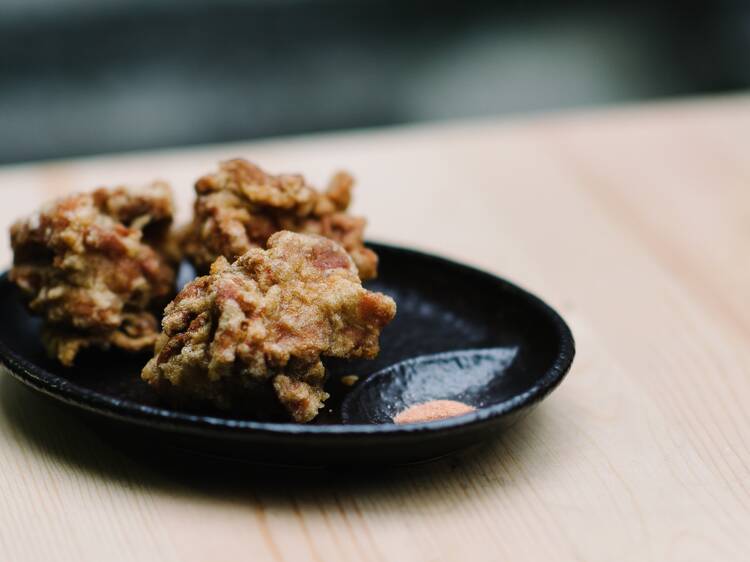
x,y
63,390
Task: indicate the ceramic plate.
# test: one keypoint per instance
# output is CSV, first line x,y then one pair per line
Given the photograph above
x,y
516,349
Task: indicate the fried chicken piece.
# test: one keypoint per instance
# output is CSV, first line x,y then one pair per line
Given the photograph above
x,y
241,206
96,266
250,336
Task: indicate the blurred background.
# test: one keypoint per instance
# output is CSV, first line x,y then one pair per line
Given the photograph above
x,y
90,76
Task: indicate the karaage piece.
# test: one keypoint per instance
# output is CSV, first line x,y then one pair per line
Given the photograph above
x,y
250,336
94,267
241,206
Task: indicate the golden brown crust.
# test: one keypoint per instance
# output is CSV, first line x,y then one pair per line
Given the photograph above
x,y
241,206
262,325
93,266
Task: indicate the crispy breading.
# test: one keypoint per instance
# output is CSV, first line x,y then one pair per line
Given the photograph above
x,y
259,327
93,266
241,206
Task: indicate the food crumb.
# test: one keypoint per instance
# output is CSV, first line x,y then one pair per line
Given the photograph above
x,y
432,411
349,380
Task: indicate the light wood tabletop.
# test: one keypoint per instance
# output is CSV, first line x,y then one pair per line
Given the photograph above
x,y
634,223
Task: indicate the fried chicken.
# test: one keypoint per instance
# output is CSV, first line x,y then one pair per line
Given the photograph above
x,y
241,206
250,336
96,266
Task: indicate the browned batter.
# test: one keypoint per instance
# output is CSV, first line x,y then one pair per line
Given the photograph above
x,y
258,328
97,267
240,206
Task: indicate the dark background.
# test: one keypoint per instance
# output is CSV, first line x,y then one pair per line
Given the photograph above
x,y
90,76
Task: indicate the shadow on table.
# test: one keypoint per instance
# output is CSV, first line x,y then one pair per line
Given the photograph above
x,y
47,429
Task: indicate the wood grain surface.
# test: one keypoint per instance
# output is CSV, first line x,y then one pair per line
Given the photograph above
x,y
634,223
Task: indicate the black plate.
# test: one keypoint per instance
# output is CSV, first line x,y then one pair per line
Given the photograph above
x,y
442,306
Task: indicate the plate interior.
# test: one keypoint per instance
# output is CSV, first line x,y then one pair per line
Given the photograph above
x,y
442,306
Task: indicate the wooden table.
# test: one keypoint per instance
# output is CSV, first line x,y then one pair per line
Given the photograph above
x,y
634,223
